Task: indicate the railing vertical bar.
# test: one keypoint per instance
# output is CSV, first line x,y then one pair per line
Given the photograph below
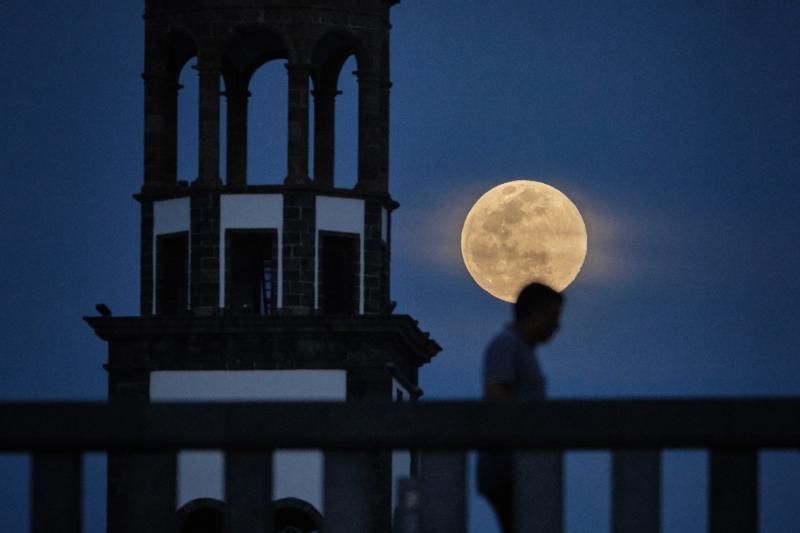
x,y
538,492
157,473
636,491
56,493
248,492
733,485
347,486
443,496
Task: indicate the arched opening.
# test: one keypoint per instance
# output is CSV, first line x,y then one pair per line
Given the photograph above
x,y
346,146
187,142
166,69
267,143
336,103
205,515
256,90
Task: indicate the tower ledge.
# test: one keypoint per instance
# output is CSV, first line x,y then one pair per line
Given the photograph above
x,y
189,342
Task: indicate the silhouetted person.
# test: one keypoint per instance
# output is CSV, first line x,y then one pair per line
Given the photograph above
x,y
511,372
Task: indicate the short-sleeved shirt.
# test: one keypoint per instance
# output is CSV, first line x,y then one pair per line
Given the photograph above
x,y
509,360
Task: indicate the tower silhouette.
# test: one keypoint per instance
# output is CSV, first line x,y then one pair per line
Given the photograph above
x,y
262,292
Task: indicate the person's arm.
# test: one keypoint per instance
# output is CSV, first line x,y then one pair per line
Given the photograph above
x,y
499,371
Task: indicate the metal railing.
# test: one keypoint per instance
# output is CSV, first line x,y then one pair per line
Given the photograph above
x,y
733,430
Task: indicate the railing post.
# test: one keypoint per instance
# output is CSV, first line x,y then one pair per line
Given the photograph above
x,y
733,485
636,491
538,492
248,492
56,493
347,493
131,509
443,497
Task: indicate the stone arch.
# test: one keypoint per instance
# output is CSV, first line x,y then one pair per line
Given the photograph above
x,y
164,64
329,55
175,49
245,50
203,515
331,51
249,46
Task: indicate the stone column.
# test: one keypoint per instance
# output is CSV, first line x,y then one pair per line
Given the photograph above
x,y
383,125
376,260
147,274
324,135
237,137
298,124
299,231
204,268
209,70
157,91
373,138
170,168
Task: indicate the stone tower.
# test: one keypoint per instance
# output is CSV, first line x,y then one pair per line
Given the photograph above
x,y
263,292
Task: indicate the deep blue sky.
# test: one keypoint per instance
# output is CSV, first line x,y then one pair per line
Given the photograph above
x,y
674,126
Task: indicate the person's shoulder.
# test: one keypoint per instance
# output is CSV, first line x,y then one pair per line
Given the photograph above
x,y
500,358
507,335
503,341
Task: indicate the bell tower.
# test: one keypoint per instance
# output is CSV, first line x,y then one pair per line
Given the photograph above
x,y
263,292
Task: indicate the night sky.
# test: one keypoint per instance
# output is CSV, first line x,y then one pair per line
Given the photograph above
x,y
674,126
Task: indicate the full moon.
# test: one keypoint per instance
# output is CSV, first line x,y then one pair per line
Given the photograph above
x,y
523,231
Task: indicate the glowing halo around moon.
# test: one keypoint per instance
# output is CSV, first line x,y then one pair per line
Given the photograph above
x,y
523,231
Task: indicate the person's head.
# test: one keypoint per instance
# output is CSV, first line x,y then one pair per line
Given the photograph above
x,y
537,312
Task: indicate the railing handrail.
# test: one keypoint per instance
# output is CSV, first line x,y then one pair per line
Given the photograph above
x,y
719,423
